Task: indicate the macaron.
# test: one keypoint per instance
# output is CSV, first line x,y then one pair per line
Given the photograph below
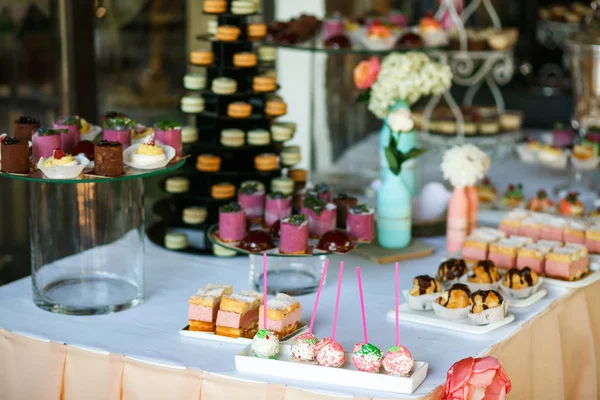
x,y
244,60
176,241
227,33
189,134
177,184
283,131
283,185
290,155
192,104
239,109
243,7
222,191
298,175
215,6
256,31
221,251
212,26
224,85
194,81
276,108
208,163
265,162
259,137
267,53
202,57
263,84
233,137
194,215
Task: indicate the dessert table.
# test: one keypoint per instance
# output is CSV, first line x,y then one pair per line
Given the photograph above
x,y
549,351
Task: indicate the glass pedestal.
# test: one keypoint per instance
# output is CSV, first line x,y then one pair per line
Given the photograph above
x,y
87,241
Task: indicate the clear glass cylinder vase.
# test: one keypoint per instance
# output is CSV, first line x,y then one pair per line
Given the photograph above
x,y
290,275
87,246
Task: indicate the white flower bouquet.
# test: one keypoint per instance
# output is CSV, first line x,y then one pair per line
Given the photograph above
x,y
464,165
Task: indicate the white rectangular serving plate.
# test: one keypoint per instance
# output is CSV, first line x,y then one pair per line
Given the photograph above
x,y
588,280
225,339
286,367
520,303
430,318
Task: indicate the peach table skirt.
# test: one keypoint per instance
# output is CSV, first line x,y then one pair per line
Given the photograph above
x,y
553,356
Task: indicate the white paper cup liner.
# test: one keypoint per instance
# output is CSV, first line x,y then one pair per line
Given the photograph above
x,y
141,140
420,303
450,313
169,153
588,164
522,293
490,315
64,172
527,155
480,286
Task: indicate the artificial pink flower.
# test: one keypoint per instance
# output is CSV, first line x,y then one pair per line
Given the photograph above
x,y
365,73
481,378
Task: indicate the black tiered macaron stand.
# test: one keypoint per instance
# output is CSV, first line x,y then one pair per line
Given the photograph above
x,y
237,163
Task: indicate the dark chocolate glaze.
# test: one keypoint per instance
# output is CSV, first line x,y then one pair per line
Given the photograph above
x,y
524,275
424,282
456,287
452,268
484,295
487,266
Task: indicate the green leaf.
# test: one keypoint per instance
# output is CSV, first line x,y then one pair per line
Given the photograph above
x,y
414,153
390,155
363,97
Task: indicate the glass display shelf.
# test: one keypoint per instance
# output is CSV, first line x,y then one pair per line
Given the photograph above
x,y
317,45
130,173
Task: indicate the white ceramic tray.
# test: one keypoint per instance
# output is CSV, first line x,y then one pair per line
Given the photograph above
x,y
241,341
520,303
588,280
431,319
286,367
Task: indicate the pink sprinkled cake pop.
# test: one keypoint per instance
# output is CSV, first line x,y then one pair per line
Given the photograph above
x,y
398,361
329,353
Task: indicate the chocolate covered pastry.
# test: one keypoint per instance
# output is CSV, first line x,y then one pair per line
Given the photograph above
x,y
424,284
485,299
520,279
484,272
452,269
457,297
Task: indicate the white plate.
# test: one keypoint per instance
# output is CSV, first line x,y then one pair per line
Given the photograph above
x,y
588,280
128,152
526,302
242,341
286,367
463,325
92,134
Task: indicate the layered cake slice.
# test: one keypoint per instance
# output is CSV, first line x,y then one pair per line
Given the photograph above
x,y
204,306
512,222
283,314
488,233
476,248
592,239
533,256
575,232
552,244
530,227
504,252
582,250
552,229
238,315
566,263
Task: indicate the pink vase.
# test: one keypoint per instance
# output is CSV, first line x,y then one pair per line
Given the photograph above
x,y
473,204
458,220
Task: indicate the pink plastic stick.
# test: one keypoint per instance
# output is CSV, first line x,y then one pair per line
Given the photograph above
x,y
397,317
362,305
337,300
264,290
314,314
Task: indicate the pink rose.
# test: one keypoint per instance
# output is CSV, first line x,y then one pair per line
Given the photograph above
x,y
365,73
481,378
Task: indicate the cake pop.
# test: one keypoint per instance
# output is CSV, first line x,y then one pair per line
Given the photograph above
x,y
367,357
265,344
329,353
398,361
303,347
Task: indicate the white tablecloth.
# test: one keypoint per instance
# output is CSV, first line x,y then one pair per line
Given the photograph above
x,y
150,332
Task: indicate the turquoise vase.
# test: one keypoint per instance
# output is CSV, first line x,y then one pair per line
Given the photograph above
x,y
394,213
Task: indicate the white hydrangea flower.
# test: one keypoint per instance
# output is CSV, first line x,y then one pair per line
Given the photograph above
x,y
464,165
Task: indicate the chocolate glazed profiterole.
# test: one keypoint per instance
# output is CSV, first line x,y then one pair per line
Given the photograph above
x,y
451,269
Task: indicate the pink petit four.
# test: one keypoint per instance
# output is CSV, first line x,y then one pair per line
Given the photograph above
x,y
44,142
575,232
293,235
533,256
169,133
283,314
592,239
488,233
476,248
566,263
251,197
278,206
530,227
70,139
323,192
552,229
504,253
321,216
118,130
360,223
232,223
203,308
511,223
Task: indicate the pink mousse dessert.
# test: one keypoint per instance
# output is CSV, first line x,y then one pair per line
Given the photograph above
x,y
360,223
118,130
552,229
232,223
169,133
277,206
251,197
476,248
333,26
566,263
238,314
575,232
321,216
204,305
45,141
293,235
592,239
323,192
530,227
533,256
283,314
69,140
504,253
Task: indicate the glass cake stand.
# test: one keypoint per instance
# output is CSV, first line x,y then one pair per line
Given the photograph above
x,y
286,273
87,241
